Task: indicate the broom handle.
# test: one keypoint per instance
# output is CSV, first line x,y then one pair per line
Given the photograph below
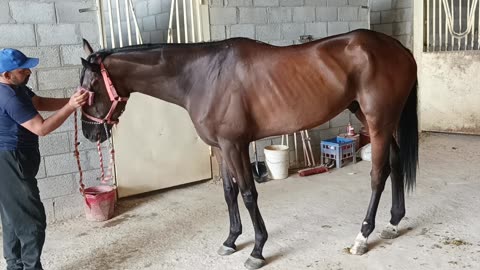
x,y
309,146
305,150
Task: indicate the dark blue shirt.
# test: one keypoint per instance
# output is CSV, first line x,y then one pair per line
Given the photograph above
x,y
16,107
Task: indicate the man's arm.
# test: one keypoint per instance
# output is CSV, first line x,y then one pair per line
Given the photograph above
x,y
42,127
49,104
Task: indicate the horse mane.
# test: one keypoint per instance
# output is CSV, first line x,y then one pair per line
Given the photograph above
x,y
103,53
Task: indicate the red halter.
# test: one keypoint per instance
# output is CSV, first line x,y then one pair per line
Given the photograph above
x,y
114,98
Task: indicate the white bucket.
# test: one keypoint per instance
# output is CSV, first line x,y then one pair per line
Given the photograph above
x,y
276,157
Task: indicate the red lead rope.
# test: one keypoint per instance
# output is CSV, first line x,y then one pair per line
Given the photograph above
x,y
104,178
76,153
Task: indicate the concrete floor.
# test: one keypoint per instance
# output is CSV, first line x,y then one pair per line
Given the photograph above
x,y
311,221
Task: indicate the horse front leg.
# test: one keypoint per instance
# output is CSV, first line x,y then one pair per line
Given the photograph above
x,y
238,161
230,189
380,170
398,193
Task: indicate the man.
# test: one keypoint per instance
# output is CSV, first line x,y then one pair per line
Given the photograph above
x,y
22,212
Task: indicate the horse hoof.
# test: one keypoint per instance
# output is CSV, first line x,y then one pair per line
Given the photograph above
x,y
390,232
224,251
359,246
254,263
358,249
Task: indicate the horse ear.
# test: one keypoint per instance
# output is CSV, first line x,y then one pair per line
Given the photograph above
x,y
86,47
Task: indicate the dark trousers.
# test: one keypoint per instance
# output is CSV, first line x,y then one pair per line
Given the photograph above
x,y
22,212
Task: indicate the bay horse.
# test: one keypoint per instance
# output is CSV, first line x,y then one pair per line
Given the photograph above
x,y
236,90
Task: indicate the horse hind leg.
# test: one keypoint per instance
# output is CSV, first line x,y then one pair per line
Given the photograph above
x,y
398,193
380,139
231,191
237,159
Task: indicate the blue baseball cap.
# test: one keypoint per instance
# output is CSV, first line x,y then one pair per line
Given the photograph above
x,y
11,59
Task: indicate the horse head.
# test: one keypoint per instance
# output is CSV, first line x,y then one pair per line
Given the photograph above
x,y
104,106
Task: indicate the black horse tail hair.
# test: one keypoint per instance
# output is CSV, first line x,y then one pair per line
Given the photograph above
x,y
407,136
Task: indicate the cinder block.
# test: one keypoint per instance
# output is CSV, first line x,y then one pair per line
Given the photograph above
x,y
293,30
214,3
217,32
317,3
358,3
334,28
266,3
380,5
140,6
292,3
166,4
363,14
358,25
223,16
49,56
326,14
49,210
58,78
303,14
348,14
149,23
406,40
5,13
341,120
253,15
375,17
32,12
242,30
64,164
19,35
41,171
329,133
69,206
67,12
281,43
154,7
403,3
56,186
404,15
89,31
279,15
54,34
157,37
268,32
336,3
317,30
71,54
238,3
162,21
388,16
384,28
54,144
50,93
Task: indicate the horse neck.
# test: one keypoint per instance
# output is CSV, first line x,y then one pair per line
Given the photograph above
x,y
151,73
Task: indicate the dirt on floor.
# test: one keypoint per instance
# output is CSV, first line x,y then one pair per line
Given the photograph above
x,y
311,222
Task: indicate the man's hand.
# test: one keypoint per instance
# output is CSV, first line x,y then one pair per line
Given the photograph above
x,y
78,99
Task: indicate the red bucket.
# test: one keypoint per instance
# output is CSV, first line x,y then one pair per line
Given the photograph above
x,y
99,203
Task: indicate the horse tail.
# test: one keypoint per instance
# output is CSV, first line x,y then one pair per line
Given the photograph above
x,y
407,136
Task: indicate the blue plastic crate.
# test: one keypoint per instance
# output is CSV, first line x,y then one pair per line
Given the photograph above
x,y
337,148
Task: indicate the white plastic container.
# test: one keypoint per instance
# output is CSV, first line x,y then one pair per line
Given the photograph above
x,y
277,160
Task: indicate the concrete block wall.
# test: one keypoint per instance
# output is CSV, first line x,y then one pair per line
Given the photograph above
x,y
282,22
52,31
394,18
